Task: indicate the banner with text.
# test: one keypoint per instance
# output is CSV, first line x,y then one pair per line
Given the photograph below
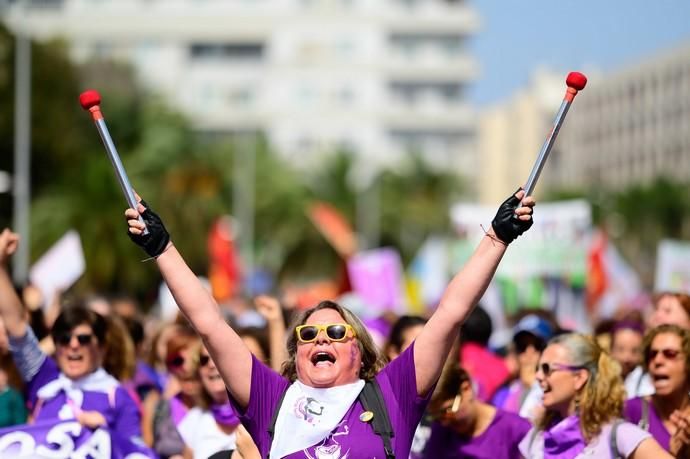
x,y
68,440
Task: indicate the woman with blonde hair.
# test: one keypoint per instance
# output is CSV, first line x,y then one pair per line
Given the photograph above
x,y
583,401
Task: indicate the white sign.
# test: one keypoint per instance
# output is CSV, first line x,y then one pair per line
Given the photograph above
x,y
60,267
672,267
555,245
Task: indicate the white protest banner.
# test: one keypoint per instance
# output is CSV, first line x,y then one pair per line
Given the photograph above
x,y
556,245
60,267
672,266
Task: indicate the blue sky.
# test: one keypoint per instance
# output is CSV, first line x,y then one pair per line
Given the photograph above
x,y
518,36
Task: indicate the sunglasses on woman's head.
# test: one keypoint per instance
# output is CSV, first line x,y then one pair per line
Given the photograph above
x,y
549,368
82,338
669,354
334,332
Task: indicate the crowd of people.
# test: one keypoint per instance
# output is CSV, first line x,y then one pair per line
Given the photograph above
x,y
314,383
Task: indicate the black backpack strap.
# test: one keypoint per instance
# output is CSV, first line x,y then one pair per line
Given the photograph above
x,y
615,454
371,399
272,427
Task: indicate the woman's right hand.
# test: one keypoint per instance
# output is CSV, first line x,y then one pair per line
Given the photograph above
x,y
157,240
8,244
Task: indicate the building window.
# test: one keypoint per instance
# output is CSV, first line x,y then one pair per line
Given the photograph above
x,y
227,51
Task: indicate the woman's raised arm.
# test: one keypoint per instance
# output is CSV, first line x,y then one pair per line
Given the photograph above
x,y
466,289
11,308
231,356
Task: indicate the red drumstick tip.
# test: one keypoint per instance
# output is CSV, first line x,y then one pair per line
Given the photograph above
x,y
576,80
89,98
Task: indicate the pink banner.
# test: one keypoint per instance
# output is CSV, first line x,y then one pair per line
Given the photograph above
x,y
376,276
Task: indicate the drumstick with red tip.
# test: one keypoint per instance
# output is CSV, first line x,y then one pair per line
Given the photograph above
x,y
576,81
90,100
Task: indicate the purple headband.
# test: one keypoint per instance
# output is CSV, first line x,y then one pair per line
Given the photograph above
x,y
627,325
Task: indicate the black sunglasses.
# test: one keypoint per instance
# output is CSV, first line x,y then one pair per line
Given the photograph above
x,y
175,361
82,338
669,354
203,360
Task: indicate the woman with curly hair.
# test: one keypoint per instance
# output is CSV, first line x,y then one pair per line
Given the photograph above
x,y
313,408
583,400
666,413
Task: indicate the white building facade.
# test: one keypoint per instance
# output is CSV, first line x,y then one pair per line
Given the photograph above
x,y
630,126
379,78
511,133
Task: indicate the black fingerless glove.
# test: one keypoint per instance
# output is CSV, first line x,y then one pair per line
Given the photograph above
x,y
155,242
506,224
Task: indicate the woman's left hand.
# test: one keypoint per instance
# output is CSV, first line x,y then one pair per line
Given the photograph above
x,y
91,419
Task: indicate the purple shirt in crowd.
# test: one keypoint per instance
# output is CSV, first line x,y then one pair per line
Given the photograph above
x,y
352,438
37,370
633,413
499,441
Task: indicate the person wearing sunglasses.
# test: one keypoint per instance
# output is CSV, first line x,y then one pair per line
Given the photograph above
x,y
522,394
210,427
331,354
181,394
583,403
466,427
73,384
666,413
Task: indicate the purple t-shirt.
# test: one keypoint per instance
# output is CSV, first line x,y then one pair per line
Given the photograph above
x,y
633,413
37,369
352,438
499,441
119,409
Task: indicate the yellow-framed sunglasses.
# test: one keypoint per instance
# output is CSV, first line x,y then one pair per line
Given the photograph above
x,y
334,332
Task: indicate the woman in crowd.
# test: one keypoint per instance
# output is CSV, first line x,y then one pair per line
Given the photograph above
x,y
467,427
331,354
530,336
626,349
488,370
665,414
74,385
182,393
402,335
210,428
583,400
671,308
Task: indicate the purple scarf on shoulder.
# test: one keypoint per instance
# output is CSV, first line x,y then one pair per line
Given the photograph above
x,y
224,414
564,439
